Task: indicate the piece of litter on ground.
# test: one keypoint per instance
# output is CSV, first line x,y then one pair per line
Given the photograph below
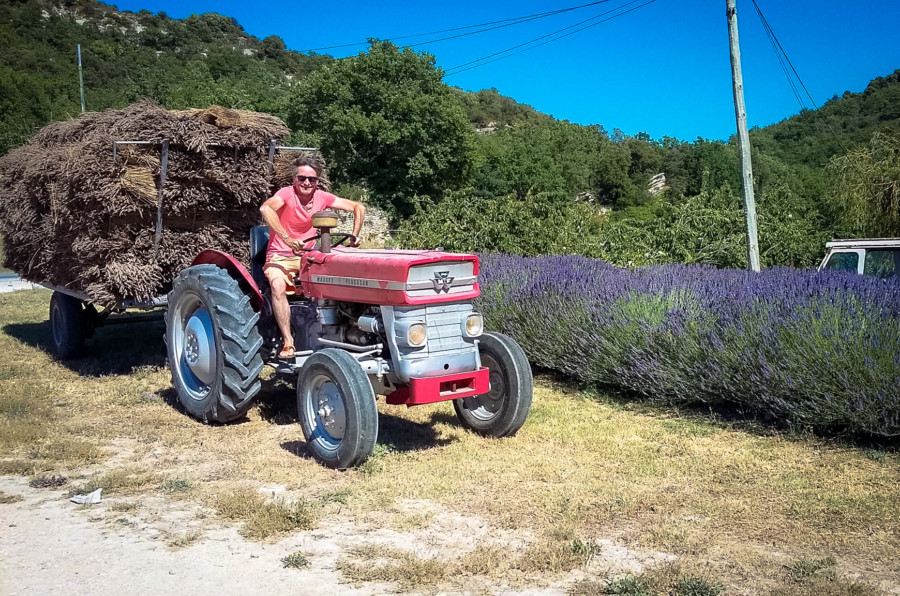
x,y
87,499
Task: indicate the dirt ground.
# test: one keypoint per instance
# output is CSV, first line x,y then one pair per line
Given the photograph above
x,y
10,283
49,545
148,545
626,489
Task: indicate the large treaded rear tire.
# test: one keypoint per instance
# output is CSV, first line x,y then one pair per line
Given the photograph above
x,y
502,411
212,344
68,326
337,410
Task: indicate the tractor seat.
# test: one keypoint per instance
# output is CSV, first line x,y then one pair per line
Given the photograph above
x,y
259,241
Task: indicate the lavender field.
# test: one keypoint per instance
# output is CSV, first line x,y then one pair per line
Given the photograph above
x,y
812,350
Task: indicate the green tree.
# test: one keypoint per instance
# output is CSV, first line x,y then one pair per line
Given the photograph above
x,y
387,122
539,156
867,193
613,185
710,229
538,225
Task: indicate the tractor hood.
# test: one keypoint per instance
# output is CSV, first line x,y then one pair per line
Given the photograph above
x,y
390,277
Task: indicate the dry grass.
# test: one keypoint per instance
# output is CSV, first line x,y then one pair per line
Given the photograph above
x,y
263,518
6,499
125,481
393,566
739,505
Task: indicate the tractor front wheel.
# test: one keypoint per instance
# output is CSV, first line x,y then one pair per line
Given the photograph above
x,y
212,344
501,411
336,407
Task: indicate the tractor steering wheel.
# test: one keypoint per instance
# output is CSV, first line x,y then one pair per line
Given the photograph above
x,y
343,238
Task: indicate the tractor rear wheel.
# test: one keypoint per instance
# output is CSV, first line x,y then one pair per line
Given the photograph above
x,y
212,344
501,411
337,410
69,326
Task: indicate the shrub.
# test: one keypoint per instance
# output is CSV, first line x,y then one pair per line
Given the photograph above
x,y
816,350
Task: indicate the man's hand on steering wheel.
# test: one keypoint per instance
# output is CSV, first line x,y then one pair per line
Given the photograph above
x,y
295,244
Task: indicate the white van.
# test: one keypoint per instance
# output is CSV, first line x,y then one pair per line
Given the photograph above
x,y
877,257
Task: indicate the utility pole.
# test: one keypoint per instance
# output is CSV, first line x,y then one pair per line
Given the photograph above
x,y
740,114
80,79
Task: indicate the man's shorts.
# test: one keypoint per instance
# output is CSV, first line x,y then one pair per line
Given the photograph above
x,y
286,268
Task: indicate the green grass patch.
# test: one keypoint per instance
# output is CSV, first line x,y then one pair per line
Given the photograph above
x,y
175,485
803,569
553,556
295,560
630,585
876,455
696,586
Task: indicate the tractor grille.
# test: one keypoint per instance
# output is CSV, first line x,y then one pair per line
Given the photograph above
x,y
440,279
444,322
447,351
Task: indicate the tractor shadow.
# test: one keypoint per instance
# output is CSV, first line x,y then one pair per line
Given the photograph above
x,y
395,435
277,403
113,350
401,435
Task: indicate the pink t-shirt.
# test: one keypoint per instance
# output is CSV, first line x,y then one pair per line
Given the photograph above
x,y
297,220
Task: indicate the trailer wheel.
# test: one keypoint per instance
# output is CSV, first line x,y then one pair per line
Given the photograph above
x,y
212,344
69,326
336,407
502,411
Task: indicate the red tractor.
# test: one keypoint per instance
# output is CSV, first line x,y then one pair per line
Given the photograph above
x,y
396,323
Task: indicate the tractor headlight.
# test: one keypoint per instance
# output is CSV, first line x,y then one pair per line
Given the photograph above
x,y
411,334
474,325
416,334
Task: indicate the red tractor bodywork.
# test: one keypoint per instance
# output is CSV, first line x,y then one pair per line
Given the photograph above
x,y
374,277
352,275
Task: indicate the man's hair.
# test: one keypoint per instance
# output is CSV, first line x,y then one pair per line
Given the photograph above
x,y
317,163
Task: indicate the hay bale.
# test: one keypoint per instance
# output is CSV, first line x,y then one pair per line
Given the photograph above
x,y
140,184
72,215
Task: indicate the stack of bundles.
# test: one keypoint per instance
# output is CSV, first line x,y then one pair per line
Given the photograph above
x,y
73,215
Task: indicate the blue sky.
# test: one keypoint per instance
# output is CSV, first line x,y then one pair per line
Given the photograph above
x,y
662,68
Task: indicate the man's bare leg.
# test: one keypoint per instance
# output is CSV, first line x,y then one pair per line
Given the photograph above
x,y
282,310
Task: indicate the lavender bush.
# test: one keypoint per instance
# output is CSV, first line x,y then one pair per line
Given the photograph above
x,y
818,350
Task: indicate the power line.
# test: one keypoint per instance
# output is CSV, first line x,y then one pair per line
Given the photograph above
x,y
781,49
510,22
824,127
525,20
784,68
484,60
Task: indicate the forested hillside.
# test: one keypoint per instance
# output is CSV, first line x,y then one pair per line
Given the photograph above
x,y
472,171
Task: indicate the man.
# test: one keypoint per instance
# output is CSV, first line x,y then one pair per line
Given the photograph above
x,y
289,216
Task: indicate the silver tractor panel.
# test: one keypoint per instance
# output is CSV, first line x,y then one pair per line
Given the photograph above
x,y
446,350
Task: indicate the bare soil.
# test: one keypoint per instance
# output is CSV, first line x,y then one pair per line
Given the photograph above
x,y
49,545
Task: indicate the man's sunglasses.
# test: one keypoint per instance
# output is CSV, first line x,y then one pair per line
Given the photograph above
x,y
310,179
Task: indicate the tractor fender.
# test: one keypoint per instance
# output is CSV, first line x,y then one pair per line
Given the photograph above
x,y
236,270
